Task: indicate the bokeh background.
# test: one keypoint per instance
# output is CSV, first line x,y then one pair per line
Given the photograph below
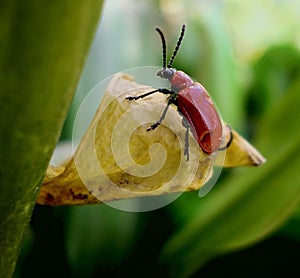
x,y
246,53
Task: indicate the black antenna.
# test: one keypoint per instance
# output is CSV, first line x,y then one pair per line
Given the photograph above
x,y
177,46
163,41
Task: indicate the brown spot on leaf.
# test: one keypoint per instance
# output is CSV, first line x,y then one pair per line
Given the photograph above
x,y
49,197
78,196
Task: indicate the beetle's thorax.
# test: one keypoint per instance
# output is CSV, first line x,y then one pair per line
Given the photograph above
x,y
178,79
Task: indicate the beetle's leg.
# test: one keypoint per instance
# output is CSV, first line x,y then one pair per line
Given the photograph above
x,y
163,115
161,90
186,124
229,141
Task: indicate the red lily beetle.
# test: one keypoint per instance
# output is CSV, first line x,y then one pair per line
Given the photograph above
x,y
192,101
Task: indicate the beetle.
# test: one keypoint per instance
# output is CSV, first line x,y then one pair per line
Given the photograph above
x,y
192,101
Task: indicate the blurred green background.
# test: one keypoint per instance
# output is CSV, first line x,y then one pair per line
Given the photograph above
x,y
246,53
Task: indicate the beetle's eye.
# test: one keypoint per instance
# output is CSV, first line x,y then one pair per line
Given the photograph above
x,y
160,73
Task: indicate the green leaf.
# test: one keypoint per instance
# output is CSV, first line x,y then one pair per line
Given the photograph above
x,y
251,204
274,72
43,47
292,227
98,236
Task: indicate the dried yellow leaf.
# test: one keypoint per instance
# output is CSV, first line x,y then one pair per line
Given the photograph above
x,y
118,159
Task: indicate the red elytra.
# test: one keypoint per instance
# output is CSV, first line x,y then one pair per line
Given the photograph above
x,y
196,105
192,101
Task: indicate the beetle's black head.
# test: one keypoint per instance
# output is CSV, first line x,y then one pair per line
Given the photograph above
x,y
166,73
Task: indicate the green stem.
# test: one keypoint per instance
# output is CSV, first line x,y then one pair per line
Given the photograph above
x,y
43,47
